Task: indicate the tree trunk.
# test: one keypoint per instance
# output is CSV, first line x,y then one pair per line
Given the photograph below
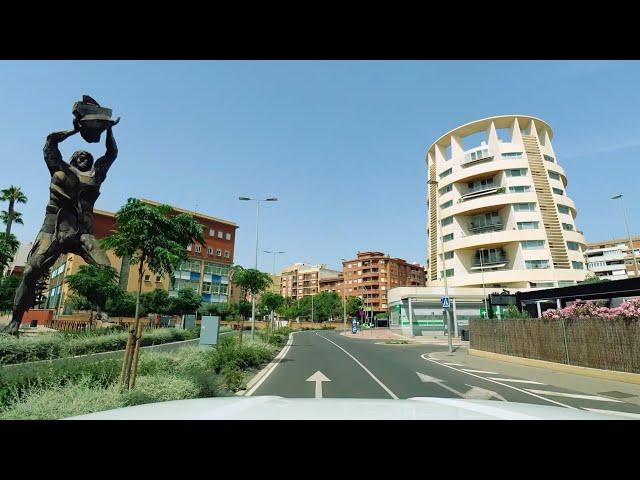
x,y
9,218
135,341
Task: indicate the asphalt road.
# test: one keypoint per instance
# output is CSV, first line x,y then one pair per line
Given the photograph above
x,y
357,368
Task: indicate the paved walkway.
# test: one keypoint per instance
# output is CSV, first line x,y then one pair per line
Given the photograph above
x,y
387,334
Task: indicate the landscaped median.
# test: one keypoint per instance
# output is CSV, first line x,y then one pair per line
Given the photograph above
x,y
77,386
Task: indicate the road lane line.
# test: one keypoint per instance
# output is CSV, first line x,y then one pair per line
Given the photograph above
x,y
574,395
393,395
614,412
454,364
275,362
517,380
478,371
499,383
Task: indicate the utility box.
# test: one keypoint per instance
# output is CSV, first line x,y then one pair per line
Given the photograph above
x,y
188,321
210,330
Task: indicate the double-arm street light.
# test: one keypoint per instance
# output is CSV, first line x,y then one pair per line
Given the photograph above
x,y
626,221
344,297
445,312
253,297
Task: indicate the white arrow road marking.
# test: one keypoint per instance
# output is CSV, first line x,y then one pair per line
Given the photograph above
x,y
516,380
613,412
428,379
318,377
574,395
477,393
425,356
478,371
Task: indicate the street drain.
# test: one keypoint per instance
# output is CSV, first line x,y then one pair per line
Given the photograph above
x,y
616,394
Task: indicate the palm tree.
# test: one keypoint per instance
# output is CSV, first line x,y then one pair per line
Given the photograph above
x,y
12,195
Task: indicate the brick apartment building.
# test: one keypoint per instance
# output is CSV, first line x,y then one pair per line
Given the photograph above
x,y
372,274
206,269
301,280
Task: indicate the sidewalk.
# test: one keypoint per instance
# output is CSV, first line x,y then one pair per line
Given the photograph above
x,y
386,334
570,381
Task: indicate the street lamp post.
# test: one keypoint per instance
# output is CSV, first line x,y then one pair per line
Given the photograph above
x,y
626,221
445,313
344,298
253,296
274,274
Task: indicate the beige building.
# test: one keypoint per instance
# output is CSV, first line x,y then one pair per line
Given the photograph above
x,y
499,213
612,259
300,280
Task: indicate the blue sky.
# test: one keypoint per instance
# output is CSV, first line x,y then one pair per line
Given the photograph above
x,y
341,144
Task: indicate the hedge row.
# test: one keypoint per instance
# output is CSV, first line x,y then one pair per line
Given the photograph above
x,y
46,347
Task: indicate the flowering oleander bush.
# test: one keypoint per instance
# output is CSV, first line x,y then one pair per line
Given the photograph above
x,y
629,310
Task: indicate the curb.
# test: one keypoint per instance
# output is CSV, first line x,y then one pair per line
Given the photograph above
x,y
560,367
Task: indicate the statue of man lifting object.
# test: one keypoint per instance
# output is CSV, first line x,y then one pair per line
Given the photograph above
x,y
74,189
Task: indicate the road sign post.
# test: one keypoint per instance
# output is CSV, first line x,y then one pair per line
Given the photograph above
x,y
446,314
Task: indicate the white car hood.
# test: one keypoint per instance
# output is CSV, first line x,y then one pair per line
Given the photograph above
x,y
279,408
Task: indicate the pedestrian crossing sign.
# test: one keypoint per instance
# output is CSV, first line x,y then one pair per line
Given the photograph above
x,y
445,302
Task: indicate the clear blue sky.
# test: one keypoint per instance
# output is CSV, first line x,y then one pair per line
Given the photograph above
x,y
341,144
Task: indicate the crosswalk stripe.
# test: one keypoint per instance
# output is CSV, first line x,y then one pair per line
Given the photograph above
x,y
573,395
478,371
613,412
516,380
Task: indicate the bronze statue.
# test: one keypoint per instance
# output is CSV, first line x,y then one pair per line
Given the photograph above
x,y
74,189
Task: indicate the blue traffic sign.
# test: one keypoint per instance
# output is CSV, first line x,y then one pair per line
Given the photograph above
x,y
445,302
354,326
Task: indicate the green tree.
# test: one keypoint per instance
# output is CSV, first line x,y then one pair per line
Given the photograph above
x,y
353,304
8,286
8,248
156,301
269,303
327,305
251,281
124,305
594,279
154,238
187,302
12,195
96,284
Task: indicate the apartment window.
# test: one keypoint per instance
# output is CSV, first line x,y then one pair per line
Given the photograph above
x,y
520,189
218,252
524,207
226,254
558,191
512,155
477,155
219,233
447,221
528,225
484,220
535,264
566,283
446,204
227,236
448,237
532,244
198,248
448,255
480,185
212,232
210,250
567,226
158,278
573,246
446,173
577,265
554,175
563,209
517,172
449,273
446,189
549,159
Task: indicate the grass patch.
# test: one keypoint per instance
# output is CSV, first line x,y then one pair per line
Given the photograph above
x,y
396,342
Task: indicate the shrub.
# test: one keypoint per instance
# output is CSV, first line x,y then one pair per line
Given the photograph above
x,y
628,310
62,401
233,378
160,388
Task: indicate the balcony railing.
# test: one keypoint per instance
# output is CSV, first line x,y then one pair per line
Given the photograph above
x,y
483,155
492,227
482,192
493,261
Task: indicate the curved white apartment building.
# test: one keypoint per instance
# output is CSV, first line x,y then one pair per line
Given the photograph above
x,y
498,209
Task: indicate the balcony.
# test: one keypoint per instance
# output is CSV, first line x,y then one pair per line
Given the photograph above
x,y
490,260
491,227
477,156
482,193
